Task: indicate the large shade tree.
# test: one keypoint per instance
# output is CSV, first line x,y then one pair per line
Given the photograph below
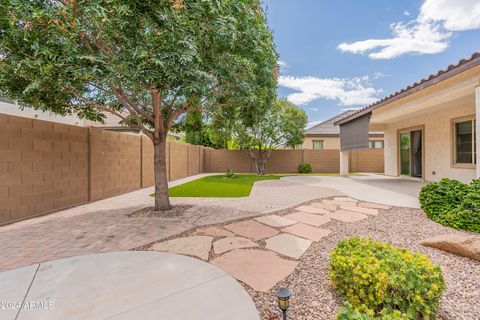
x,y
146,61
280,124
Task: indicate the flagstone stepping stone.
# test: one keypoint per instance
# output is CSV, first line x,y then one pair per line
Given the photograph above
x,y
311,209
261,270
307,232
288,245
230,243
214,232
197,246
275,221
369,211
345,199
339,203
308,218
251,229
346,216
373,205
326,206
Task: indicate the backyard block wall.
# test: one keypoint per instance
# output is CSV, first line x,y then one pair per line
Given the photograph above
x,y
46,166
287,161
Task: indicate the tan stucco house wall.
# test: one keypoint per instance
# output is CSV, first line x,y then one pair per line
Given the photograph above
x,y
432,105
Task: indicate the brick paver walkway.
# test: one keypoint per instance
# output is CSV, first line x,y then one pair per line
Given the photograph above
x,y
103,226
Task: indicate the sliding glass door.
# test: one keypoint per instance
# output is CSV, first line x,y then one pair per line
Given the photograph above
x,y
411,153
405,154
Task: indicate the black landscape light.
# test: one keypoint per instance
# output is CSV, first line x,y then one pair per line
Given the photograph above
x,y
283,296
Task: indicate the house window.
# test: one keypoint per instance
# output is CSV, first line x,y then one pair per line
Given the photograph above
x,y
375,144
317,144
465,149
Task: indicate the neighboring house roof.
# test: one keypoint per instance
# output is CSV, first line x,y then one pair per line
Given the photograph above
x,y
327,127
441,75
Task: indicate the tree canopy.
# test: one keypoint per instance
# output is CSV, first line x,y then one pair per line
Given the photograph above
x,y
155,60
281,124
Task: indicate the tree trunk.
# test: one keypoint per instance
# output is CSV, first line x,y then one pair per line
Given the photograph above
x,y
162,201
259,163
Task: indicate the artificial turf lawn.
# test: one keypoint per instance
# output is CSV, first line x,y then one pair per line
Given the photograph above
x,y
219,186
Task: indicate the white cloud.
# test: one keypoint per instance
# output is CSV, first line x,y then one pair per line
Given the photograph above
x,y
349,91
455,15
313,109
406,13
427,34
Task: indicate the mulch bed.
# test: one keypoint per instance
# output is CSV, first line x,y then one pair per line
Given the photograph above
x,y
176,211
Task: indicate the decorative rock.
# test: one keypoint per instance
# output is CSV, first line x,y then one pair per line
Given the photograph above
x,y
307,218
288,245
307,232
230,243
369,211
261,270
373,205
326,206
275,221
465,246
197,246
213,232
311,209
346,216
345,199
251,229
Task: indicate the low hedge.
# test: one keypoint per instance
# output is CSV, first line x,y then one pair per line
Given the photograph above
x,y
452,203
305,168
384,282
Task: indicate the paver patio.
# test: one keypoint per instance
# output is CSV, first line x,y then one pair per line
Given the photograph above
x,y
275,221
103,226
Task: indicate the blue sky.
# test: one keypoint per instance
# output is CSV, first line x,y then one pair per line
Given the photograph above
x,y
341,54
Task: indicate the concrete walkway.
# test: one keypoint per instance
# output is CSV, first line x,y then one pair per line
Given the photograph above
x,y
372,188
124,285
103,226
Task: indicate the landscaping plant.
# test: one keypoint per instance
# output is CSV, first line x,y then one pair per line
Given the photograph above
x,y
452,203
380,281
147,62
304,168
278,124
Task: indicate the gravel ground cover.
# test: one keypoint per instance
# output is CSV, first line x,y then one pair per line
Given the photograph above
x,y
315,298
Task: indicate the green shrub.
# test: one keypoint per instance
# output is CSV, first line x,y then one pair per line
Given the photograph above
x,y
304,168
452,203
384,282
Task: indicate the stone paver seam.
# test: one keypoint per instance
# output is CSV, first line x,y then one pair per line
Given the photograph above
x,y
28,290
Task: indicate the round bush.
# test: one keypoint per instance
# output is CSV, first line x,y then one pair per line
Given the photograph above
x,y
452,203
304,168
384,282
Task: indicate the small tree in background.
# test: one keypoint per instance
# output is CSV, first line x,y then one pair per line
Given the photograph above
x,y
282,124
155,60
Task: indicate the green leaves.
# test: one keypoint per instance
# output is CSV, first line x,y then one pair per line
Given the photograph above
x,y
383,282
452,203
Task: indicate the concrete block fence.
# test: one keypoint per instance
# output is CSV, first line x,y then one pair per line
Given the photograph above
x,y
46,166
